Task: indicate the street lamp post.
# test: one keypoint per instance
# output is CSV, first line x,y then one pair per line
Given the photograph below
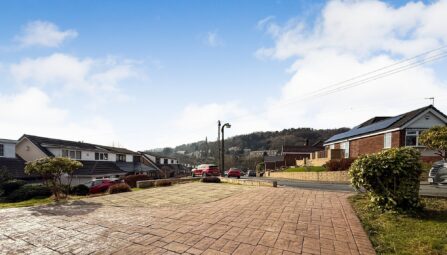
x,y
218,142
222,164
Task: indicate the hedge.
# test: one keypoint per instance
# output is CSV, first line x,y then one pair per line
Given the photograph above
x,y
10,186
390,178
119,188
131,180
27,192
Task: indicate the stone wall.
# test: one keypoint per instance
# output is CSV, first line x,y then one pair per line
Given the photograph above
x,y
335,176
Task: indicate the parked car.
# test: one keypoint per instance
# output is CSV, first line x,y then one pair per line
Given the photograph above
x,y
98,186
251,173
206,170
233,172
438,173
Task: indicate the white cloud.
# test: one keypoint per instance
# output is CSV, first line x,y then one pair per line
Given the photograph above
x,y
351,38
345,39
32,111
44,33
213,39
63,71
362,28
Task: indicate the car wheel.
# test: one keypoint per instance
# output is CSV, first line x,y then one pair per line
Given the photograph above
x,y
193,175
238,177
203,174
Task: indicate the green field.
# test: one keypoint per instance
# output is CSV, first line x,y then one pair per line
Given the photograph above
x,y
391,233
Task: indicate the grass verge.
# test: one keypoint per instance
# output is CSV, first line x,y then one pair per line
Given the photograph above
x,y
306,169
36,201
391,233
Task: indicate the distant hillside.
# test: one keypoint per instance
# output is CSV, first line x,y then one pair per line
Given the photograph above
x,y
271,140
237,148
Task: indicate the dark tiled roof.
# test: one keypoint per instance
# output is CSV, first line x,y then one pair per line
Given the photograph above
x,y
42,142
15,167
385,124
135,167
302,148
98,168
118,150
273,158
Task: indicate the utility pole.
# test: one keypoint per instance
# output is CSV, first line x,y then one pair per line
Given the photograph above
x,y
218,143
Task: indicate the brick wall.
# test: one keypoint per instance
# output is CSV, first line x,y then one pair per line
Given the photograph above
x,y
337,176
372,144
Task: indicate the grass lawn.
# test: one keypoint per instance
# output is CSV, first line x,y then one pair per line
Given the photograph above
x,y
30,202
306,169
392,233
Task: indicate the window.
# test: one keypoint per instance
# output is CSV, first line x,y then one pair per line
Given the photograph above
x,y
412,137
2,150
71,154
165,161
387,141
345,147
120,158
101,156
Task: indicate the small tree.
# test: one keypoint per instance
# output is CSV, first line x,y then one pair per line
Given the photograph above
x,y
435,139
52,169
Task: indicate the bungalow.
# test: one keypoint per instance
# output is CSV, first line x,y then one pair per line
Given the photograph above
x,y
98,161
379,133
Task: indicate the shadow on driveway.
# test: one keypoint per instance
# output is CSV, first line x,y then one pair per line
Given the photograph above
x,y
75,208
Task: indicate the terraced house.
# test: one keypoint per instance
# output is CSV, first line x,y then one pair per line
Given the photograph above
x,y
98,161
384,132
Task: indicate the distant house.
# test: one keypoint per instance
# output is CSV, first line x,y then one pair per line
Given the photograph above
x,y
381,133
293,153
262,153
274,162
166,165
9,161
98,161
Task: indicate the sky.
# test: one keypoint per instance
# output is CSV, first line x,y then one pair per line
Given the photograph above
x,y
151,74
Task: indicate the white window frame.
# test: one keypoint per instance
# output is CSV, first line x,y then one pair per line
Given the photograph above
x,y
345,147
102,156
387,140
71,154
417,134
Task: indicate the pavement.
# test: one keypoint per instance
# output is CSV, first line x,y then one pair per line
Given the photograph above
x,y
192,218
425,188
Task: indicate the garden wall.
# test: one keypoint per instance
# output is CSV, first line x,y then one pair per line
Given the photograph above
x,y
336,176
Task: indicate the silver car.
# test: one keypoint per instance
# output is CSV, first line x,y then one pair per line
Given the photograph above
x,y
438,173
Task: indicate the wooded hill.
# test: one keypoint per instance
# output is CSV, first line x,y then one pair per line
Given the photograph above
x,y
271,140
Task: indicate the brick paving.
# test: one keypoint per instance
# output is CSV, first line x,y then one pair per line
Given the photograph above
x,y
194,218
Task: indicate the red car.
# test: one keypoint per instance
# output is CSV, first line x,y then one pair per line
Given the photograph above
x,y
98,186
234,172
206,170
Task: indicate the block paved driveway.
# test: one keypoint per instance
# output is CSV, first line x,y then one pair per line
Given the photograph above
x,y
194,218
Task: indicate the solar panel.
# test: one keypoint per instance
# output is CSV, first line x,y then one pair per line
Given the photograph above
x,y
365,130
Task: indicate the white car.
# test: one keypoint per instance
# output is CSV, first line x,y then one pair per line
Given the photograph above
x,y
438,173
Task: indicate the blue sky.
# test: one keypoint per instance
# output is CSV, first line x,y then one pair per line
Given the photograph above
x,y
160,73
